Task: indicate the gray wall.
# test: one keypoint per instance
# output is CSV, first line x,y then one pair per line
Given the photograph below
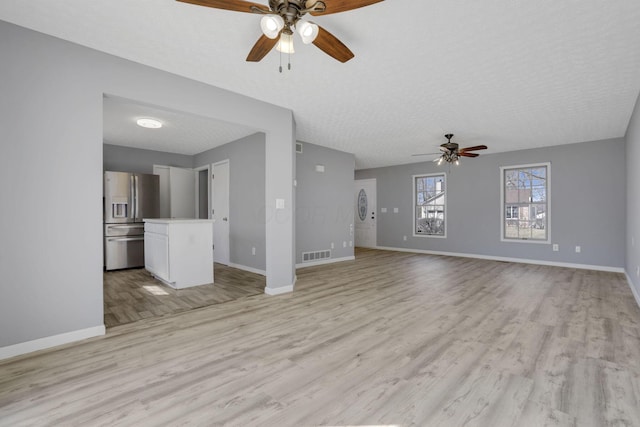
x,y
127,159
587,204
246,197
324,201
51,265
633,197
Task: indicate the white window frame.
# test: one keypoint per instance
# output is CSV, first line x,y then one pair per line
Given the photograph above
x,y
446,209
548,198
517,210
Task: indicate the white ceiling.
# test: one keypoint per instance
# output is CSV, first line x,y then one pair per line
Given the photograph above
x,y
180,133
508,74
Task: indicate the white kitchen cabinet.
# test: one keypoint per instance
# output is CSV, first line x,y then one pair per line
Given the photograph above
x,y
178,252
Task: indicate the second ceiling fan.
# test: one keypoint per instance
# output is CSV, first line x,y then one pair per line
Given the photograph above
x,y
282,17
450,151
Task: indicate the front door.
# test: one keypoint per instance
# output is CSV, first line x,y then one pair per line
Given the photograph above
x,y
365,216
220,212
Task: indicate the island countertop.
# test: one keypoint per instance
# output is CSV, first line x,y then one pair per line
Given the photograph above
x,y
175,220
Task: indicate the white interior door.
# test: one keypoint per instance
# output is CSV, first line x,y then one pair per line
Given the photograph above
x,y
220,211
182,193
365,217
163,173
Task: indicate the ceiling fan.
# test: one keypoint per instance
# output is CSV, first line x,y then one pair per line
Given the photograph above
x,y
280,19
450,153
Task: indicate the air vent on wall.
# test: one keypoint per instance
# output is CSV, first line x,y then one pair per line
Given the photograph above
x,y
315,256
299,147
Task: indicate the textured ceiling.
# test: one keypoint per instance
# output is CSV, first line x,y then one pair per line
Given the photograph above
x,y
180,133
508,74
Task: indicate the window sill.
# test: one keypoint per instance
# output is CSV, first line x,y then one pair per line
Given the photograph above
x,y
538,242
435,236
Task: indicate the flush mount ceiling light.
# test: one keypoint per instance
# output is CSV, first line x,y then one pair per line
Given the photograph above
x,y
283,16
149,123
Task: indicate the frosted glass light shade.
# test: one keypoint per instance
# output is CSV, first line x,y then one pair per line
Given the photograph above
x,y
149,123
285,44
271,25
308,31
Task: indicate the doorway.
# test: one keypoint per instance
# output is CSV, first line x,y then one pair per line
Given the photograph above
x,y
365,213
203,202
220,211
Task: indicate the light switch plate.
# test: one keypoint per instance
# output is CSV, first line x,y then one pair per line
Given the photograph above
x,y
279,203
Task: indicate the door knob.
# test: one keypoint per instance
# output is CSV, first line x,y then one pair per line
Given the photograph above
x,y
225,219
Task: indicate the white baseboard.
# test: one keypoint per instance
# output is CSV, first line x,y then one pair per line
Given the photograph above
x,y
633,288
281,289
249,269
325,261
278,291
508,259
48,342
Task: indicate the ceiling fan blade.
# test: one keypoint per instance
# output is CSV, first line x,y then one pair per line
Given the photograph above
x,y
463,154
261,48
333,47
336,6
235,5
474,148
426,154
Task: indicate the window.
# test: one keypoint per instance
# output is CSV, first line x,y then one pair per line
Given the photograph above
x,y
429,205
525,203
512,212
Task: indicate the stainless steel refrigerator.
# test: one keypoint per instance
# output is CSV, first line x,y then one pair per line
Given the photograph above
x,y
128,198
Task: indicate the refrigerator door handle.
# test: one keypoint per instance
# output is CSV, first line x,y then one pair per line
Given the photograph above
x,y
132,195
123,239
135,177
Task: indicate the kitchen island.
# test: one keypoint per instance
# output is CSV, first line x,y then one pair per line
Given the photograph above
x,y
179,252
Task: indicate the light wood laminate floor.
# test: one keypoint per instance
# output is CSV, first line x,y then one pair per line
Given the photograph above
x,y
134,294
389,339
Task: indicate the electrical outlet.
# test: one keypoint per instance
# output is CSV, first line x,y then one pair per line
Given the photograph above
x,y
383,210
578,249
350,243
404,238
395,210
253,250
344,244
333,246
556,248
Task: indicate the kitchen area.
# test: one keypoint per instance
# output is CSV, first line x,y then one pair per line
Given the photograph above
x,y
159,221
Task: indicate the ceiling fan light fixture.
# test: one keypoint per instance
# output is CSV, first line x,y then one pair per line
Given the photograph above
x,y
271,25
308,31
285,44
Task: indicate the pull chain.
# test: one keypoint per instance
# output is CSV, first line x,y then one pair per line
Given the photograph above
x,y
288,62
